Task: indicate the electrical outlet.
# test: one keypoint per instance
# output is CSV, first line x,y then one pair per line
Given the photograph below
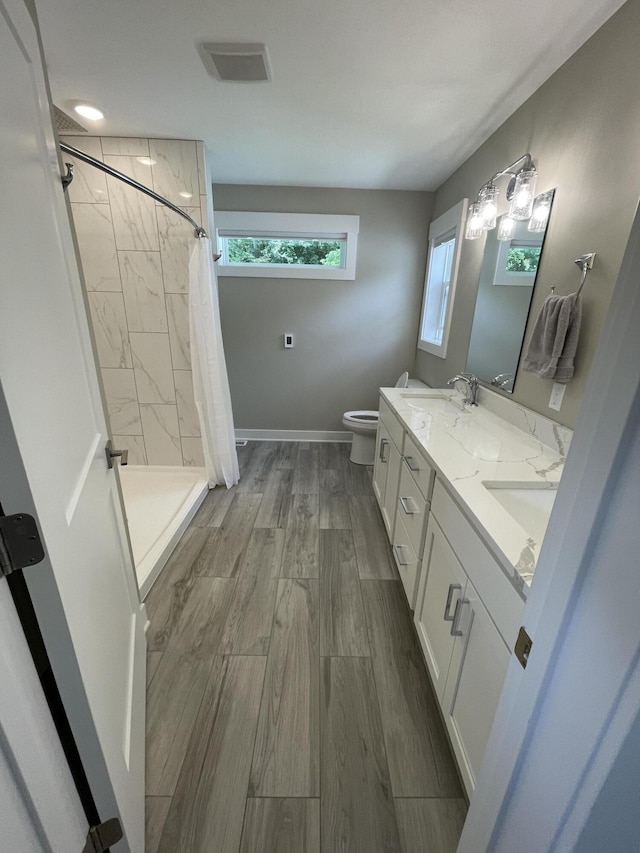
x,y
557,393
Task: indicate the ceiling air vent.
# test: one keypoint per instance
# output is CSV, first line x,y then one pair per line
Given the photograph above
x,y
236,62
65,124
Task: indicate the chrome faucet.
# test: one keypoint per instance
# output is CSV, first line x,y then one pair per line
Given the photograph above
x,y
472,387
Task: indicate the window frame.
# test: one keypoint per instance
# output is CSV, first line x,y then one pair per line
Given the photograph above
x,y
448,225
309,226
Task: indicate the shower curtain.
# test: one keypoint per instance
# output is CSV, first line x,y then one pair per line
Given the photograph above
x,y
210,380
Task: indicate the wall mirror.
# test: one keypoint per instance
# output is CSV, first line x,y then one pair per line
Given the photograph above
x,y
507,279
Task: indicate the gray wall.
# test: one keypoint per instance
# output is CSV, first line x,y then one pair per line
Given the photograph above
x,y
351,336
583,129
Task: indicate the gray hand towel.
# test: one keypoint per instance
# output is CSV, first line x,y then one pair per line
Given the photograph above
x,y
554,340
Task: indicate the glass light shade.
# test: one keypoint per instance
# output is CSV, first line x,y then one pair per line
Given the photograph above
x,y
523,195
540,214
475,225
489,207
507,228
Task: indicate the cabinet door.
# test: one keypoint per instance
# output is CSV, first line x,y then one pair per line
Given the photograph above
x,y
381,463
478,667
391,489
442,586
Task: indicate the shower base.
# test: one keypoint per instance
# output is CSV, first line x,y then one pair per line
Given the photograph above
x,y
160,502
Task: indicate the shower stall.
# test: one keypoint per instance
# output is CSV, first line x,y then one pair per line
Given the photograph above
x,y
134,248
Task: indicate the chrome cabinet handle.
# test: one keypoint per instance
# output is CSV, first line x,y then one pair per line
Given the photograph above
x,y
112,454
403,504
411,465
455,631
383,443
447,610
396,551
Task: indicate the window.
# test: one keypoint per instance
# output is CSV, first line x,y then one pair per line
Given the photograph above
x,y
287,245
440,281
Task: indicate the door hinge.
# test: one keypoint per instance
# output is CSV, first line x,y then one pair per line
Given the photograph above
x,y
20,543
522,647
103,836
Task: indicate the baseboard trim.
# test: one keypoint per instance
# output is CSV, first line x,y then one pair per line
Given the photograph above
x,y
293,435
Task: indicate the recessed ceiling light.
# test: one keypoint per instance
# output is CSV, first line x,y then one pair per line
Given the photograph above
x,y
146,161
186,195
88,111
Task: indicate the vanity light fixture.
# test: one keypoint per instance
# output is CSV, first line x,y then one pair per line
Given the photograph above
x,y
474,228
540,214
507,228
489,206
520,192
524,192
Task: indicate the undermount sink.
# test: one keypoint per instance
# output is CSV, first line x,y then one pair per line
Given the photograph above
x,y
445,402
425,395
529,504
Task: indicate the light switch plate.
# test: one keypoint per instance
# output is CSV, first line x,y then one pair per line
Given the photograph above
x,y
557,394
289,340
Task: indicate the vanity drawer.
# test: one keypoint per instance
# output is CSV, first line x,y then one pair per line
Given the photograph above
x,y
421,471
412,509
494,587
406,561
391,422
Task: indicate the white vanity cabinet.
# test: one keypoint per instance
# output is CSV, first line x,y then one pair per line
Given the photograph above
x,y
467,650
386,467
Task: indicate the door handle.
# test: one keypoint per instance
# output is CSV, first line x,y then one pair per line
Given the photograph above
x,y
403,504
411,465
396,551
447,610
112,454
383,443
455,631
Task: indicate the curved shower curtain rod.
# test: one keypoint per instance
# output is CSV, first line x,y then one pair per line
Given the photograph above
x,y
87,158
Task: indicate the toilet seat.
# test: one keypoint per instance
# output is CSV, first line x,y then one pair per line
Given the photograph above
x,y
362,419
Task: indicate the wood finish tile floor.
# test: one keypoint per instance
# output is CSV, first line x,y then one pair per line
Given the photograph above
x,y
288,707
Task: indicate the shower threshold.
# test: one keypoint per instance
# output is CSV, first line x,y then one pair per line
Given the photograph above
x,y
160,502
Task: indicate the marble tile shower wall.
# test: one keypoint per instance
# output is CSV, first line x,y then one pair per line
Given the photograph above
x,y
135,257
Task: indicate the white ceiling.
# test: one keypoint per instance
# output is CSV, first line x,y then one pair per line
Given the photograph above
x,y
390,94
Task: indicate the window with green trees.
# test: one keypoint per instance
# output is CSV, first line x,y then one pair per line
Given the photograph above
x,y
262,244
278,250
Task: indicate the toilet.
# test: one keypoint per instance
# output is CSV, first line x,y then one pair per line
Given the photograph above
x,y
364,425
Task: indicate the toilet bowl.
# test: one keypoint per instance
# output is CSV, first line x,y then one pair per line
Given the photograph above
x,y
363,423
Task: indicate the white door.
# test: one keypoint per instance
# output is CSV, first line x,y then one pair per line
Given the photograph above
x,y
32,763
51,387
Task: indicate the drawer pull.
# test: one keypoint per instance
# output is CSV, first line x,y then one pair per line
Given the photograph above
x,y
447,610
396,550
455,631
411,463
383,444
403,504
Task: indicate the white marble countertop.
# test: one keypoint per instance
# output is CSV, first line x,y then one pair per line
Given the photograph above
x,y
469,446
